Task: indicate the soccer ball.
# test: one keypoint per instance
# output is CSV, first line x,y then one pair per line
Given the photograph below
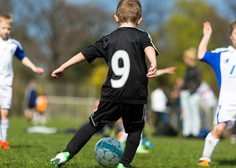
x,y
108,151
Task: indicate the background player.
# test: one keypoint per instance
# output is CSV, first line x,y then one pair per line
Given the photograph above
x,y
8,48
30,100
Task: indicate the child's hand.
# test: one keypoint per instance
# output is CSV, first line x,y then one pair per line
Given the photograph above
x,y
57,73
207,30
39,70
151,72
169,70
159,72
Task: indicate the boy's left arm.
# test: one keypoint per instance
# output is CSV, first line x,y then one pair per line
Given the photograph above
x,y
152,71
151,55
27,62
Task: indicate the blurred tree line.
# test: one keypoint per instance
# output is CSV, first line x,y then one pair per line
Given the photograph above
x,y
52,31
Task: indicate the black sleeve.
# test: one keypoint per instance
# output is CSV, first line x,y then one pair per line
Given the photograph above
x,y
98,49
146,41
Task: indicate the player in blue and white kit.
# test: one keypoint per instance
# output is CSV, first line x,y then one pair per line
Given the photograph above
x,y
9,48
223,61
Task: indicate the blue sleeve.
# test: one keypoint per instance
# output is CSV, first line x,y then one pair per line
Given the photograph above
x,y
213,59
19,53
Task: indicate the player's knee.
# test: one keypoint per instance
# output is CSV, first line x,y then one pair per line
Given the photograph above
x,y
4,114
218,130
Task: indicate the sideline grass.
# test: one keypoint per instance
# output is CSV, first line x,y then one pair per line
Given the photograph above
x,y
35,150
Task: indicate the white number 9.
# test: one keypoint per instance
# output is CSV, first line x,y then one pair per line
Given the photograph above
x,y
120,71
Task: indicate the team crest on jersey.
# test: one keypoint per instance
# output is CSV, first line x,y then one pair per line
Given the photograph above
x,y
227,60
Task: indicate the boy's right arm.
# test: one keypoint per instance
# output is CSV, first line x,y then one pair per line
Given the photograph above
x,y
74,60
202,49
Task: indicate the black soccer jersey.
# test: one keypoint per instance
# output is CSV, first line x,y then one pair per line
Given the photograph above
x,y
123,50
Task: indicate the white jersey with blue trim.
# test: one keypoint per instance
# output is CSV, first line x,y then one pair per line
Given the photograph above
x,y
223,61
8,49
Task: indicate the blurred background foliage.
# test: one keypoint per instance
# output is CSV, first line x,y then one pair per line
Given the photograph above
x,y
52,31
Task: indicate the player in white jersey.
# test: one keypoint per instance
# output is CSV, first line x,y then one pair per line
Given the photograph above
x,y
223,61
9,48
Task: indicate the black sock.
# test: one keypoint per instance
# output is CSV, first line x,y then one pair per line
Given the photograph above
x,y
131,146
81,137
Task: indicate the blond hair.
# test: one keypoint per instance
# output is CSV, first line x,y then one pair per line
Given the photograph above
x,y
6,17
190,53
232,26
129,11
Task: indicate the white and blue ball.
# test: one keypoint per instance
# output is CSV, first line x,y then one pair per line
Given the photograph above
x,y
108,151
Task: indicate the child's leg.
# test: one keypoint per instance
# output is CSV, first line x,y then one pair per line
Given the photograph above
x,y
4,129
81,137
132,144
212,140
4,124
210,144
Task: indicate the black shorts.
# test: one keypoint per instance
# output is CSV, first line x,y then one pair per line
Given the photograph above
x,y
133,115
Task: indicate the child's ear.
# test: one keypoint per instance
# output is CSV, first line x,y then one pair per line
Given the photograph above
x,y
139,21
116,18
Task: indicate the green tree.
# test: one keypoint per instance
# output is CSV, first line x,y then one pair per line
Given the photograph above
x,y
5,5
51,32
98,77
184,29
62,29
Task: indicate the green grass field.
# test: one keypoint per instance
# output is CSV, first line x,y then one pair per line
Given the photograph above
x,y
35,150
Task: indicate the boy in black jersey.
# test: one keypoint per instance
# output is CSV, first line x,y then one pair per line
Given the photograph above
x,y
124,93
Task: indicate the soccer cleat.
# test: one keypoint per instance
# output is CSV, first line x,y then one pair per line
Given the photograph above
x,y
203,163
141,149
4,145
120,165
60,159
122,144
147,143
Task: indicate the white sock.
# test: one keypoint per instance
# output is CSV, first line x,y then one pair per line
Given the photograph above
x,y
4,129
210,144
